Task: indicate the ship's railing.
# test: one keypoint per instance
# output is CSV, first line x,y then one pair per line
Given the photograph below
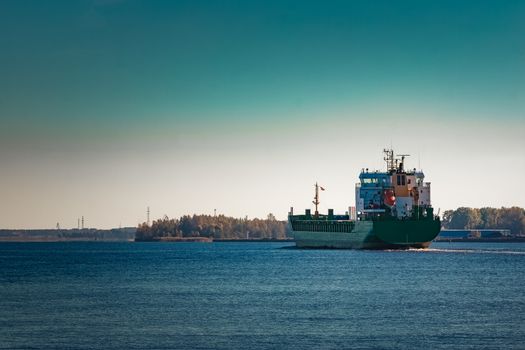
x,y
384,186
319,217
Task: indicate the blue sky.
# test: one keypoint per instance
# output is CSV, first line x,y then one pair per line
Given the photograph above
x,y
107,107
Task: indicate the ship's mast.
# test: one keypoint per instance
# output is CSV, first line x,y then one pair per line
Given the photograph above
x,y
389,159
402,163
316,198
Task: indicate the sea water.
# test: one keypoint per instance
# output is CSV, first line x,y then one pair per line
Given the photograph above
x,y
260,296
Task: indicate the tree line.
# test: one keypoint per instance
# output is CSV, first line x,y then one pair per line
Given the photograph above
x,y
217,227
464,218
225,227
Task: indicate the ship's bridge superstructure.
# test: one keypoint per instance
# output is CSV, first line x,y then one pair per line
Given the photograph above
x,y
396,192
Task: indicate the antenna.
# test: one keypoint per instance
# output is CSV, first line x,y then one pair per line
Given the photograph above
x,y
147,216
402,163
389,159
82,221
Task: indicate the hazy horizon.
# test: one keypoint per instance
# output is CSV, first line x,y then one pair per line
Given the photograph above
x,y
108,107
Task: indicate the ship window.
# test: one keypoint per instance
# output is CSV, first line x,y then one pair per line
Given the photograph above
x,y
403,180
398,180
369,181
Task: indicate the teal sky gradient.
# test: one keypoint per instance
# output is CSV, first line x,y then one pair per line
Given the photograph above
x,y
107,107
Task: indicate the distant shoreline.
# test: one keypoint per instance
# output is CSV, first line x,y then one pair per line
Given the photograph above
x,y
80,240
56,240
482,240
262,240
210,240
129,235
125,234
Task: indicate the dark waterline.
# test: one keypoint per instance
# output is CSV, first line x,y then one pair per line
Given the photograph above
x,y
259,296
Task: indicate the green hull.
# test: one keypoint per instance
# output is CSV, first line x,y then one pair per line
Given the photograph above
x,y
407,232
388,234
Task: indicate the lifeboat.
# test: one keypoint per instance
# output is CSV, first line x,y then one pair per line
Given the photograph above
x,y
389,197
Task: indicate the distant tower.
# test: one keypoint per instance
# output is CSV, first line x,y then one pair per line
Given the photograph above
x,y
147,216
82,221
58,226
214,212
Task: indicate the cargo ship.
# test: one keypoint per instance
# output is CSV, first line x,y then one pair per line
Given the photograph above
x,y
393,211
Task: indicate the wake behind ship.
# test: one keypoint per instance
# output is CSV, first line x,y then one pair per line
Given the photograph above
x,y
393,211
